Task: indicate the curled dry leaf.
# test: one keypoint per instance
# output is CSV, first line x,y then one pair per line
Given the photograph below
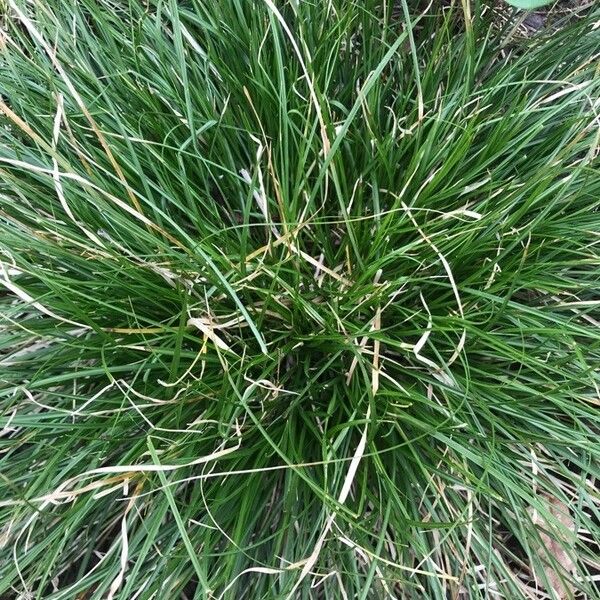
x,y
557,537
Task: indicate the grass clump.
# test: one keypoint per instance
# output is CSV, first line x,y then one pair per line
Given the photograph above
x,y
299,300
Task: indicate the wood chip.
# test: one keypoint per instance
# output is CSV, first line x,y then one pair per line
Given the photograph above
x,y
557,540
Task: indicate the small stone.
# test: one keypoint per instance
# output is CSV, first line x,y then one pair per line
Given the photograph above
x,y
535,21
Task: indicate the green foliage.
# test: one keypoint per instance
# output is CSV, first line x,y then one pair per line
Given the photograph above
x,y
530,4
298,300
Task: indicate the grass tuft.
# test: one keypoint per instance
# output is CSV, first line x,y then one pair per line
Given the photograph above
x,y
297,300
